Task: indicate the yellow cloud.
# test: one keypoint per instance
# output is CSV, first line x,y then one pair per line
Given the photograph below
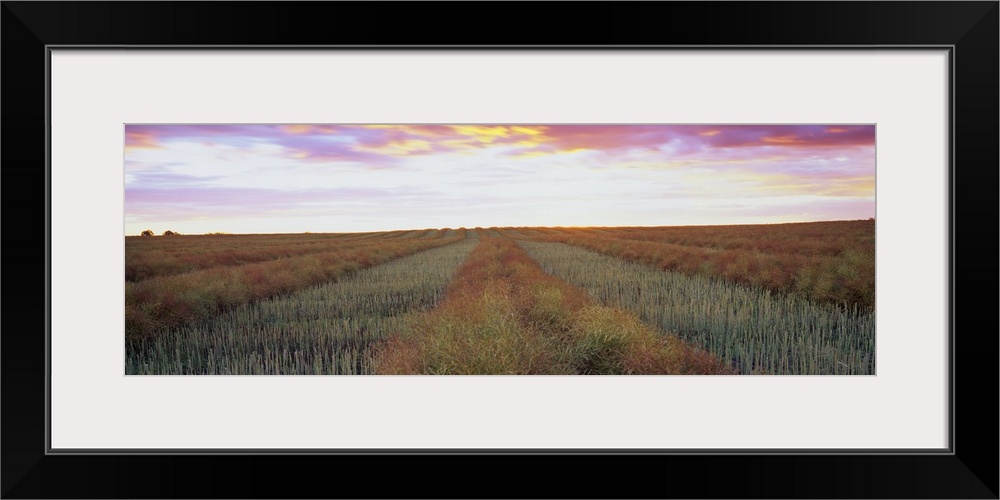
x,y
481,133
296,129
415,145
477,130
781,139
851,187
137,140
533,131
784,184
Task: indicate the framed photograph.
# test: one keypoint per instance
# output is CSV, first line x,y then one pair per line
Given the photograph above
x,y
154,135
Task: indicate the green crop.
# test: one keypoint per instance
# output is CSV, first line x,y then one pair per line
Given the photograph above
x,y
326,329
759,330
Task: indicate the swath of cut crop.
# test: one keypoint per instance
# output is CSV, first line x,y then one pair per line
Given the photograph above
x,y
504,315
758,330
323,330
829,262
803,238
171,301
164,256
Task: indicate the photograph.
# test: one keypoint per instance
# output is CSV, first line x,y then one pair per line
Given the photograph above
x,y
783,195
499,249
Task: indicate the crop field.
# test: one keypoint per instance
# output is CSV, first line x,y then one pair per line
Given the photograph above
x,y
830,262
504,315
764,299
323,330
172,300
151,257
757,330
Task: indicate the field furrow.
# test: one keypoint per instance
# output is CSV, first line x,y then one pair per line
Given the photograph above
x,y
430,234
172,301
147,258
818,238
758,330
847,278
325,329
504,315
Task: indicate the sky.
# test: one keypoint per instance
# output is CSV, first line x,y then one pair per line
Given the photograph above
x,y
290,178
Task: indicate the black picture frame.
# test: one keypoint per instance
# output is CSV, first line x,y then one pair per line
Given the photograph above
x,y
968,470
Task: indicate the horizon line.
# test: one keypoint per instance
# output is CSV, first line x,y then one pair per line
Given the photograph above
x,y
226,233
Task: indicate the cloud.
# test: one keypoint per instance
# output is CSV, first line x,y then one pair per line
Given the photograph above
x,y
407,171
840,136
195,202
163,179
140,140
403,140
379,146
709,143
308,129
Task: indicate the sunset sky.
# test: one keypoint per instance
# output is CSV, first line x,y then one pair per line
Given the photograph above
x,y
195,179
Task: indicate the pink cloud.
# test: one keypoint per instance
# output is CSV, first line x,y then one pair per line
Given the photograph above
x,y
680,140
378,145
